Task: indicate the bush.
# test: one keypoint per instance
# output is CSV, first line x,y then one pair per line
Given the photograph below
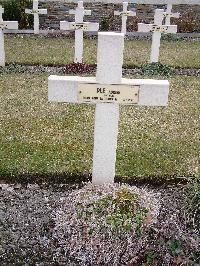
x,y
15,10
189,21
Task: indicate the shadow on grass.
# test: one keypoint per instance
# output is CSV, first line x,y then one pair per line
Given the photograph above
x,y
65,178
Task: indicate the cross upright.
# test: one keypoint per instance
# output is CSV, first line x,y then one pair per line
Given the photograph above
x,y
12,25
124,14
79,26
169,14
1,13
157,29
36,12
107,90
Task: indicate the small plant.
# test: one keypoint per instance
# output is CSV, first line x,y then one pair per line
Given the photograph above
x,y
150,256
171,37
121,212
174,247
157,69
194,258
13,68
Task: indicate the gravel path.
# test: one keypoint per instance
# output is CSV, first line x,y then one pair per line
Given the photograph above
x,y
27,228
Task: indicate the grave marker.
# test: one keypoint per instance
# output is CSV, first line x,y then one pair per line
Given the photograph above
x,y
168,14
157,29
79,26
107,91
12,25
124,14
36,12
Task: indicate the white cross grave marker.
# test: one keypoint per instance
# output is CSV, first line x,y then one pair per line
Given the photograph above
x,y
79,26
36,11
108,90
168,14
12,25
157,28
124,14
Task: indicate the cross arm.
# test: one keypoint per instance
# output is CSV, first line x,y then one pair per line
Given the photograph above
x,y
86,12
36,11
86,26
10,25
174,15
157,28
122,13
65,89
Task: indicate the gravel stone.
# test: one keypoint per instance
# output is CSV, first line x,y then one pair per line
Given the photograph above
x,y
30,235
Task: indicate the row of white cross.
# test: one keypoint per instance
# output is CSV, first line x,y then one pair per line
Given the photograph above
x,y
79,27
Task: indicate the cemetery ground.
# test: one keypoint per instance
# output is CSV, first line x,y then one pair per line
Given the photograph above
x,y
46,153
174,52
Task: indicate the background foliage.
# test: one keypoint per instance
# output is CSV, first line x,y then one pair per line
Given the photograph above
x,y
15,10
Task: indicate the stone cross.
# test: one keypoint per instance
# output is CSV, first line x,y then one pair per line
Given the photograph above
x,y
12,25
124,14
1,13
36,11
107,90
79,26
157,28
168,14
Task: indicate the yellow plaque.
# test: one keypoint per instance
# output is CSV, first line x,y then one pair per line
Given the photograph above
x,y
125,14
35,11
95,93
77,26
162,29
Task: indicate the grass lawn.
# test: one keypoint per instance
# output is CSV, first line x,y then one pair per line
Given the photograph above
x,y
42,137
41,50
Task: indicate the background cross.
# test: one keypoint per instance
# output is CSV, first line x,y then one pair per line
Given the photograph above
x,y
12,25
124,14
157,29
36,11
169,14
79,26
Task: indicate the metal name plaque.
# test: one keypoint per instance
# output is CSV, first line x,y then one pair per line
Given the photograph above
x,y
78,26
162,29
95,93
128,14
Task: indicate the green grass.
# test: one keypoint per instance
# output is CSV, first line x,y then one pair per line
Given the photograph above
x,y
42,137
41,50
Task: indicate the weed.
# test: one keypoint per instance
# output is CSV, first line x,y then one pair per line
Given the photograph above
x,y
157,69
13,68
121,211
150,256
174,247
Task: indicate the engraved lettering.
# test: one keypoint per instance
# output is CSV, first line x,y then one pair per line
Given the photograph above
x,y
101,90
